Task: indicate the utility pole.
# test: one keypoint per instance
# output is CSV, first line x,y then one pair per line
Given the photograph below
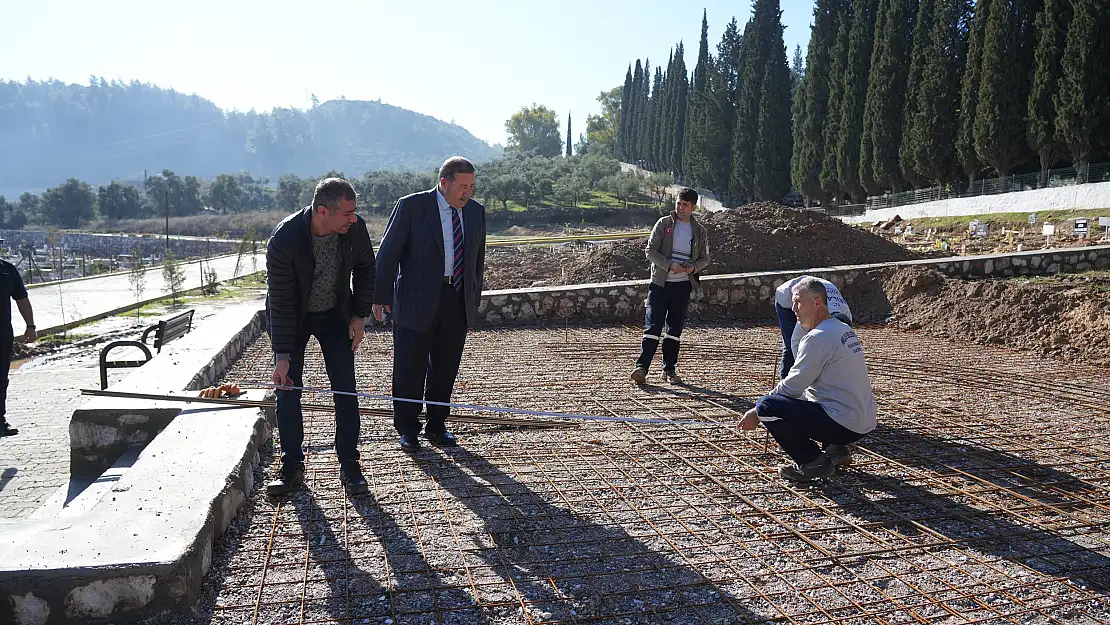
x,y
167,220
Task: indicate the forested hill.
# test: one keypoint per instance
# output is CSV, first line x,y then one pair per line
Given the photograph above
x,y
51,131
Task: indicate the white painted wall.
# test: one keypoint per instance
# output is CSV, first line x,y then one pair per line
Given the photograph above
x,y
1093,195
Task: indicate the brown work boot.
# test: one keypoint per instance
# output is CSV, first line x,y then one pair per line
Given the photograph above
x,y
639,375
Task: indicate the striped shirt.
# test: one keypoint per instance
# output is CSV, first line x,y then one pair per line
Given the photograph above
x,y
681,249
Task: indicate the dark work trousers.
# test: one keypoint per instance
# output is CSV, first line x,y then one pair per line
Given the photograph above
x,y
796,424
7,340
787,321
664,315
425,364
331,330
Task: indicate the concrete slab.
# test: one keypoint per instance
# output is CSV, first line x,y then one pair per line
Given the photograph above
x,y
103,428
146,544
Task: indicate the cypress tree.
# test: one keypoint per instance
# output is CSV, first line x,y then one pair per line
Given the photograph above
x,y
934,153
922,39
681,99
626,102
1052,27
867,133
886,93
655,119
772,172
838,61
809,139
1000,139
749,94
853,94
634,113
568,135
1082,93
643,114
797,70
694,154
666,118
969,92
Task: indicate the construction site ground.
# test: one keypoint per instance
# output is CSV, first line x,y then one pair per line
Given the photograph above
x,y
981,498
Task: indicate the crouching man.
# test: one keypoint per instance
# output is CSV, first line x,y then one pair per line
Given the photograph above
x,y
825,398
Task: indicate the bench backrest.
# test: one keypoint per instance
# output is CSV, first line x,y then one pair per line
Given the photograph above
x,y
172,328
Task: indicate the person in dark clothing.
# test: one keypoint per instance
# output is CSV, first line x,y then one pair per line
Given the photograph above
x,y
678,250
430,266
312,260
11,284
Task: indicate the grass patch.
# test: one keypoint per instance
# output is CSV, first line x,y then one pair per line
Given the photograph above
x,y
1010,220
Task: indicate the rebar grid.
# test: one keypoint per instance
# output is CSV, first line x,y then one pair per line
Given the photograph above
x,y
982,497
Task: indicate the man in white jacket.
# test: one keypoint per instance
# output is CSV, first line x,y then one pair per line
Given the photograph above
x,y
826,397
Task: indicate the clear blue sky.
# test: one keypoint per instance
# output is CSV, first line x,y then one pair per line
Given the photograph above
x,y
473,62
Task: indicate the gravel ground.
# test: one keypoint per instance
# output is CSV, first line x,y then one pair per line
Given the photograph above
x,y
981,497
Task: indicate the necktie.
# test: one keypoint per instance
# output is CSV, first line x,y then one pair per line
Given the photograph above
x,y
457,267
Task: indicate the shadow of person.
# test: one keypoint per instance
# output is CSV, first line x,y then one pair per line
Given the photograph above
x,y
7,476
559,565
997,503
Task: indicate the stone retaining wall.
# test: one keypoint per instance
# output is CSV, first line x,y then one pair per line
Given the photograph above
x,y
751,294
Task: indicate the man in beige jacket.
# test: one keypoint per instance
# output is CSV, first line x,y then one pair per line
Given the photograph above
x,y
679,251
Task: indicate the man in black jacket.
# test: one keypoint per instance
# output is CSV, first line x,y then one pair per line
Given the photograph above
x,y
310,261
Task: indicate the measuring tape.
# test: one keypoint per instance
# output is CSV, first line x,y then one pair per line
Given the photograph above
x,y
521,411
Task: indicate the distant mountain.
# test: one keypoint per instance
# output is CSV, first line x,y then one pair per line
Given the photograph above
x,y
50,131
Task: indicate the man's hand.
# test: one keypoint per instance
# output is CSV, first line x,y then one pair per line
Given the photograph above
x,y
378,311
676,267
688,268
750,420
281,373
30,335
355,330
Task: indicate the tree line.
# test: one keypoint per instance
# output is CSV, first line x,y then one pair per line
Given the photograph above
x,y
529,180
893,95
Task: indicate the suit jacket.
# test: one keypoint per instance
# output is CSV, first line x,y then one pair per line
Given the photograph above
x,y
410,260
289,268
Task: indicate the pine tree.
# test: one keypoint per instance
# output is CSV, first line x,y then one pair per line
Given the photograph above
x,y
626,103
853,94
969,92
886,92
922,39
838,61
569,151
933,154
1000,137
1082,94
809,138
1052,28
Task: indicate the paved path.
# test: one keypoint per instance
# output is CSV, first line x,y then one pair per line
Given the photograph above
x,y
42,395
73,300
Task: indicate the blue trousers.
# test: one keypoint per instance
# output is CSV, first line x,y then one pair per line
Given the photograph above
x,y
798,425
664,316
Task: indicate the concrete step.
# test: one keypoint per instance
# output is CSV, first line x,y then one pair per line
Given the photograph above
x,y
81,495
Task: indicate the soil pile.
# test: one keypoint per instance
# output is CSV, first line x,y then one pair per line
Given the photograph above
x,y
1066,317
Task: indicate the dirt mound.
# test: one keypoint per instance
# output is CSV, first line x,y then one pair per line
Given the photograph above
x,y
1067,317
758,237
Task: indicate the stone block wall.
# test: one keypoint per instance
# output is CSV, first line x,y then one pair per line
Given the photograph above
x,y
750,295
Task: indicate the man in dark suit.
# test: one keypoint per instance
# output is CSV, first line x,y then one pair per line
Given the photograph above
x,y
430,266
312,259
11,286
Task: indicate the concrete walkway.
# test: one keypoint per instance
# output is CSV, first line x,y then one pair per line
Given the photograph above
x,y
72,300
43,393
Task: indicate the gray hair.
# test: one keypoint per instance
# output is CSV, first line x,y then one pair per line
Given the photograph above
x,y
813,287
330,190
455,165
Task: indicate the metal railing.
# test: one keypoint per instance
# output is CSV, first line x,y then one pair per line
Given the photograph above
x,y
1065,176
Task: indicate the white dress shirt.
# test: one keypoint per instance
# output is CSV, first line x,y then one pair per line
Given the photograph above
x,y
448,233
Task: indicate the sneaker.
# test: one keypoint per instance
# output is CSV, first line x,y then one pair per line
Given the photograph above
x,y
839,455
639,375
821,467
672,377
288,479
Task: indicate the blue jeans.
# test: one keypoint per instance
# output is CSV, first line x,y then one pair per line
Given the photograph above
x,y
331,330
796,424
664,316
787,321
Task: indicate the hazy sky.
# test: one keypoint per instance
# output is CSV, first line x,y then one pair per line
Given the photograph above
x,y
473,62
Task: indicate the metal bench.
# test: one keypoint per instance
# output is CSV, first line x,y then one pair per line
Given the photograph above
x,y
164,331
